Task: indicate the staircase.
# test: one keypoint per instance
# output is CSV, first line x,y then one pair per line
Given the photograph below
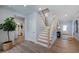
x,y
45,38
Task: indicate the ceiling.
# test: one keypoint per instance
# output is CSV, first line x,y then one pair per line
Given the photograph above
x,y
65,12
25,10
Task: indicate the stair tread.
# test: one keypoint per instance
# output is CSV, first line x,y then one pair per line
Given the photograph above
x,y
45,45
42,42
43,34
43,38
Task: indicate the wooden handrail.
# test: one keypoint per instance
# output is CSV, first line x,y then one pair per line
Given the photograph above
x,y
42,14
42,18
49,38
50,27
49,33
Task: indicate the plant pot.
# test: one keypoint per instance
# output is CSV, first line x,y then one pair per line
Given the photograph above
x,y
7,45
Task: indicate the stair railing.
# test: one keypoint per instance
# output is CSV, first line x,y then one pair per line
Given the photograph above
x,y
50,30
43,19
52,26
43,15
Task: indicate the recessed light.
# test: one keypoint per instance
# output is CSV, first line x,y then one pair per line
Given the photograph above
x,y
25,5
66,15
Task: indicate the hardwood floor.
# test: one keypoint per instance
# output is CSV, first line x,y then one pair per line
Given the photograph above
x,y
66,45
19,39
61,45
28,47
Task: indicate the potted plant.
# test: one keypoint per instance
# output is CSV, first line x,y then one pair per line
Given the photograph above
x,y
8,25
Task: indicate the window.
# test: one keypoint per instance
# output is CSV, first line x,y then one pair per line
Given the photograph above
x,y
64,27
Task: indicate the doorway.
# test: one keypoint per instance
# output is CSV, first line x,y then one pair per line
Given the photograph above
x,y
20,29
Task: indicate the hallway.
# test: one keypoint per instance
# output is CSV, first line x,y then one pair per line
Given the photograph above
x,y
70,45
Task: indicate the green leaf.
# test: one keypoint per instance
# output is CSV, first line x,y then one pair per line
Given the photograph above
x,y
9,24
1,26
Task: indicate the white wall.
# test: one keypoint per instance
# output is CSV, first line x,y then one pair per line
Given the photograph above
x,y
33,26
30,27
6,12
